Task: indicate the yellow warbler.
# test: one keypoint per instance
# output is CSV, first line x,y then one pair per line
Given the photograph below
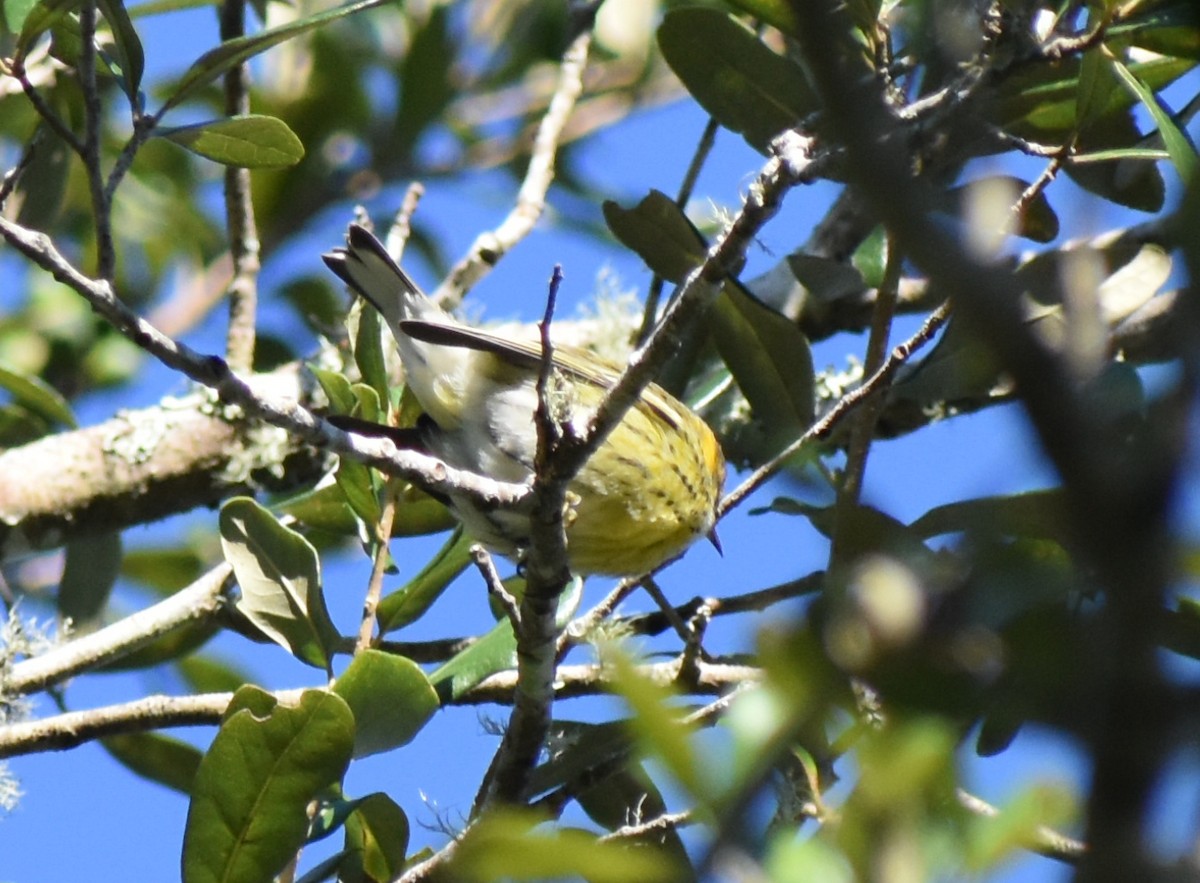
x,y
646,493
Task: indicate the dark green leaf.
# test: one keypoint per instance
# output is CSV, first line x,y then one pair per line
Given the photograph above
x,y
580,748
163,759
38,397
493,652
280,580
248,813
163,569
376,840
323,508
337,388
251,141
173,645
368,355
408,604
130,60
37,19
660,233
216,62
204,673
1133,183
88,577
358,483
770,360
391,699
1038,223
1037,514
743,84
1179,146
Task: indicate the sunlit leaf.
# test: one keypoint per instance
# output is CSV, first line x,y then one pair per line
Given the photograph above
x,y
391,699
250,141
248,813
409,603
280,580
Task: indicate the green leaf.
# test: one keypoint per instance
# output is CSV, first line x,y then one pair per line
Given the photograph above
x,y
322,508
37,396
659,232
357,482
1134,184
248,813
770,360
130,62
1037,514
163,759
1179,146
507,844
164,569
744,85
280,578
337,389
205,673
37,19
90,572
579,748
377,835
493,652
16,12
212,64
409,604
249,141
174,645
391,699
369,346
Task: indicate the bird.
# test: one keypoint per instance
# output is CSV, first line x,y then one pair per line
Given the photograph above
x,y
650,489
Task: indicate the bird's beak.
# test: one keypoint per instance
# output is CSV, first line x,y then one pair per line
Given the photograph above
x,y
716,541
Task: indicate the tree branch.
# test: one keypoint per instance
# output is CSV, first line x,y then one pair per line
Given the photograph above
x,y
198,602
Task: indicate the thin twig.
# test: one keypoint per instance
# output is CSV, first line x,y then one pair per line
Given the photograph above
x,y
669,821
491,246
823,427
546,573
495,586
379,563
1043,840
239,210
44,110
401,227
432,474
92,118
863,431
13,176
200,601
